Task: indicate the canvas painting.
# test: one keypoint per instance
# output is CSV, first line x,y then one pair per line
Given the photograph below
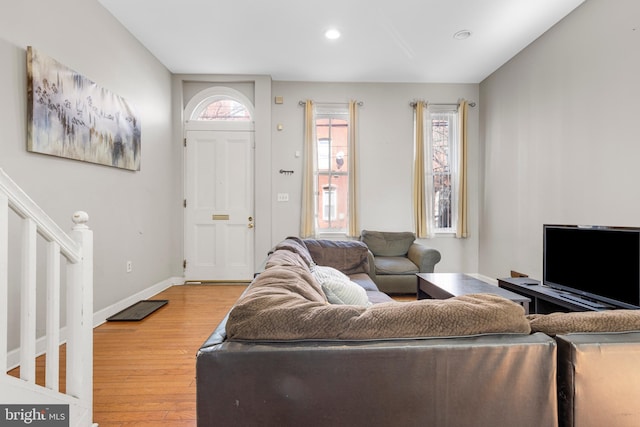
x,y
71,116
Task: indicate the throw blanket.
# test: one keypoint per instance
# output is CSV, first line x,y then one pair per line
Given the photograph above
x,y
586,321
286,303
296,250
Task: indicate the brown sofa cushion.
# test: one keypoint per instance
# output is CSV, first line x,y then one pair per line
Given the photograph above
x,y
388,243
365,281
348,256
285,303
585,321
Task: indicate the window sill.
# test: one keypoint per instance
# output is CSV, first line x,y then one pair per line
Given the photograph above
x,y
332,235
444,233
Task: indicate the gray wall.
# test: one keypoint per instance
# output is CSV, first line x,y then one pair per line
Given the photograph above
x,y
135,215
558,125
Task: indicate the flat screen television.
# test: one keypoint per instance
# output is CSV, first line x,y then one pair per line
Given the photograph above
x,y
595,262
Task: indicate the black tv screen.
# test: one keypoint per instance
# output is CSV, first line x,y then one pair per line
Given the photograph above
x,y
601,263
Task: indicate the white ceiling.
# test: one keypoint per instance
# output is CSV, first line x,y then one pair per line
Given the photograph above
x,y
382,41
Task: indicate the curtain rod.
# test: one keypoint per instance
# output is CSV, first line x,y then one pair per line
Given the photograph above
x,y
470,103
360,103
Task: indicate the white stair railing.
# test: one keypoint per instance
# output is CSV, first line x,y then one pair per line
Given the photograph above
x,y
77,248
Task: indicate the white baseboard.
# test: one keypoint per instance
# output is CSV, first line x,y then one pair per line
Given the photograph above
x,y
99,317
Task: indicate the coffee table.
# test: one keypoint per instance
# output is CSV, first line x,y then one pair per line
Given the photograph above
x,y
447,285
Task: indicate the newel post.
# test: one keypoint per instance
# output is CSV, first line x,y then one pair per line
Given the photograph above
x,y
80,314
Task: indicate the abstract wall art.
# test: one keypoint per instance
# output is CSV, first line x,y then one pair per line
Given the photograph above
x,y
70,116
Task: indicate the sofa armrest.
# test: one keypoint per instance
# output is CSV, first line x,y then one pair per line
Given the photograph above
x,y
425,258
598,378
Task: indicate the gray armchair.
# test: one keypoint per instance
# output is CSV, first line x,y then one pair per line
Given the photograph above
x,y
395,258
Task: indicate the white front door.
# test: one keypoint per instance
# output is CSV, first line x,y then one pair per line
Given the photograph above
x,y
219,223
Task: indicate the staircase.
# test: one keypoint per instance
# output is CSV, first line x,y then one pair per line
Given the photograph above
x,y
75,249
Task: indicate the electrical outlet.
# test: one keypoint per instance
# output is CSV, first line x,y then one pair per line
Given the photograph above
x,y
129,266
283,197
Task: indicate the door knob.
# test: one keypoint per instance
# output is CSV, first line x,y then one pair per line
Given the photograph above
x,y
250,225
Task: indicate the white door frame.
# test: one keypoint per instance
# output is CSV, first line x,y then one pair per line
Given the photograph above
x,y
194,107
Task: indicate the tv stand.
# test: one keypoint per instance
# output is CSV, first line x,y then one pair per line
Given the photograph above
x,y
595,304
545,300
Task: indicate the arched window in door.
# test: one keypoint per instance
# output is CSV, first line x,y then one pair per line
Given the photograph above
x,y
224,109
220,104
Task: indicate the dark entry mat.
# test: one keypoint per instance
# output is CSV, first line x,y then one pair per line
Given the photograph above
x,y
139,310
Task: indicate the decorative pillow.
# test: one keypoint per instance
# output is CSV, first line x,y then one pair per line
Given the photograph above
x,y
340,292
323,272
338,288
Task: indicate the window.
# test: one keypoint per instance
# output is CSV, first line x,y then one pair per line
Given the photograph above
x,y
332,175
442,168
224,109
219,104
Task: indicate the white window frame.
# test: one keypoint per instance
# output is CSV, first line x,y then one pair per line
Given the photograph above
x,y
453,146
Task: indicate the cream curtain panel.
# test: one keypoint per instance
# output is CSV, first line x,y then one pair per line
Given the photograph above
x,y
307,214
419,190
461,227
353,229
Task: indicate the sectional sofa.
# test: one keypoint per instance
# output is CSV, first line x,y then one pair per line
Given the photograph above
x,y
305,346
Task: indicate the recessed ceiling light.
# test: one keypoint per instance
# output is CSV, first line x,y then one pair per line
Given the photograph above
x,y
332,34
462,34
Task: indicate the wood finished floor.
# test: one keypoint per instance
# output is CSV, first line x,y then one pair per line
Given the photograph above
x,y
144,372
